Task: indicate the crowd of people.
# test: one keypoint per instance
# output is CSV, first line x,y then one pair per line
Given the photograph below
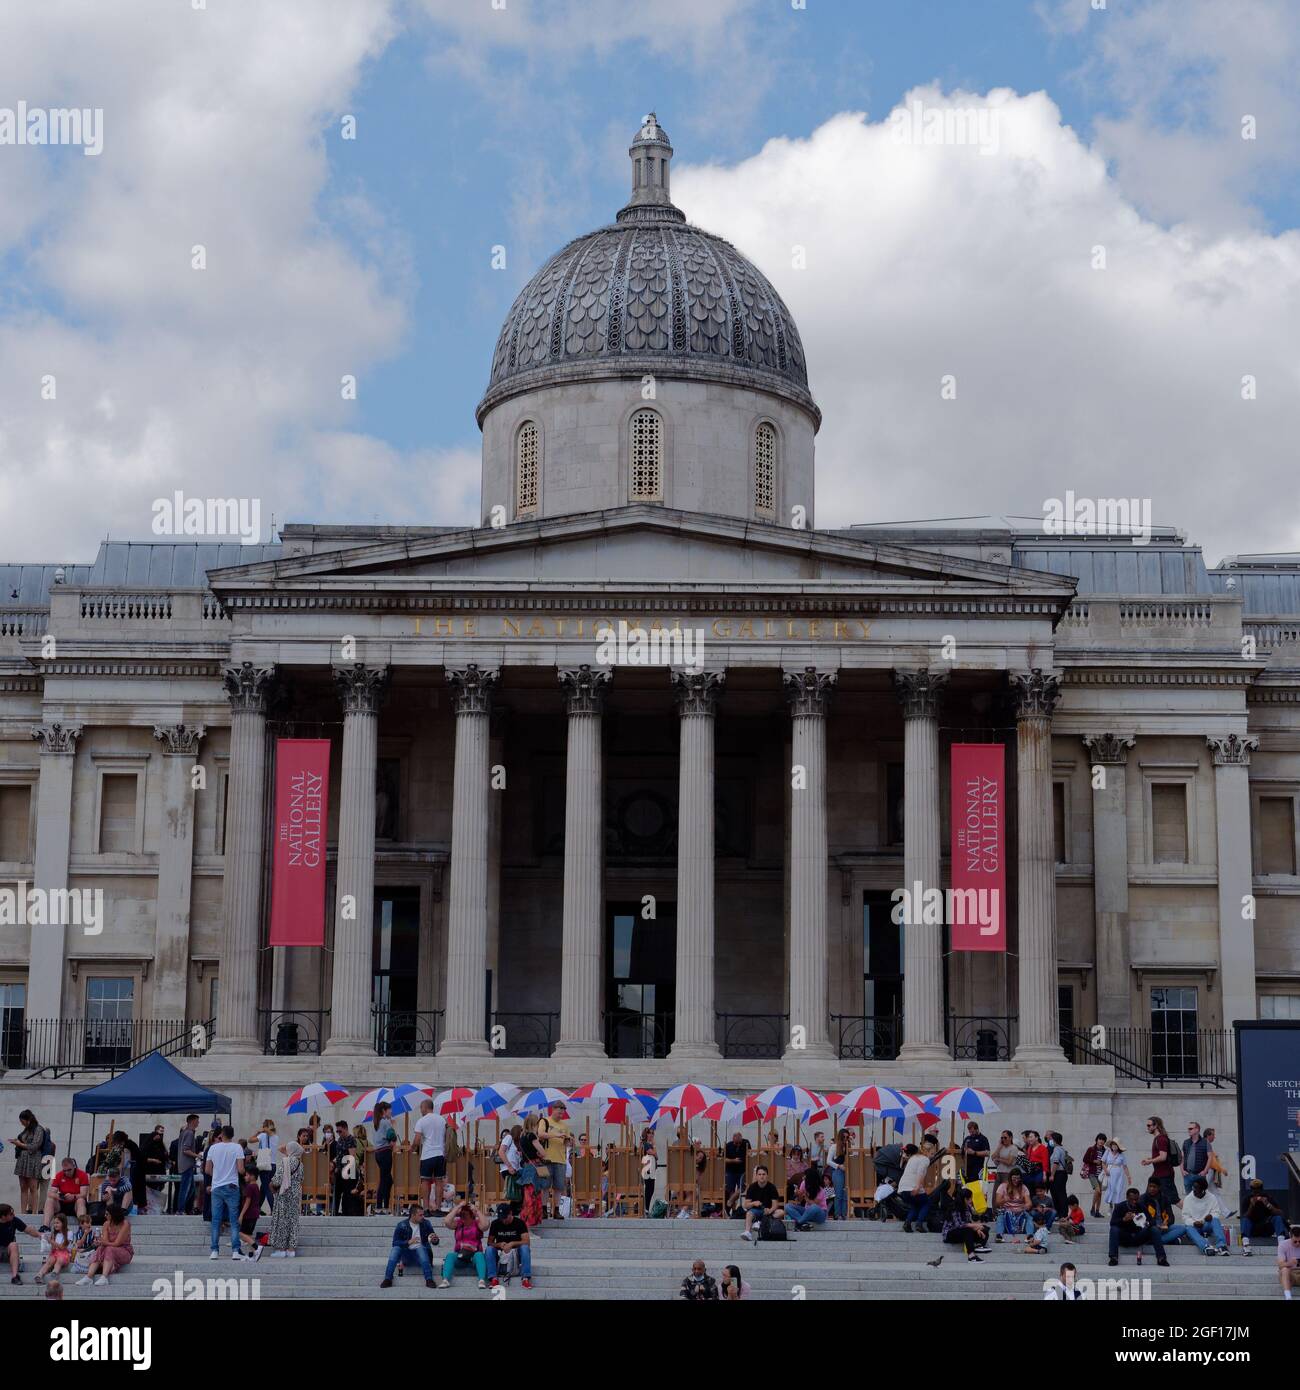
x,y
1016,1189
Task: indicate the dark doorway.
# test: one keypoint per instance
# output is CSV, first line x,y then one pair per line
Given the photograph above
x,y
641,988
396,966
882,977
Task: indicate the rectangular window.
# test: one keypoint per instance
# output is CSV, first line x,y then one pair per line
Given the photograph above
x,y
1058,823
117,813
13,1013
1173,1030
110,1015
893,804
1276,835
1169,823
15,825
1284,1006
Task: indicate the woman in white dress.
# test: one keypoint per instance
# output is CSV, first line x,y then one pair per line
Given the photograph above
x,y
1118,1180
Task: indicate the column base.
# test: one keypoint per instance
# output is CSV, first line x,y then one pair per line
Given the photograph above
x,y
234,1047
923,1053
694,1052
360,1049
812,1052
576,1050
474,1049
1038,1053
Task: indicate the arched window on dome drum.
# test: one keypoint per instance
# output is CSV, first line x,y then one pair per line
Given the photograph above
x,y
527,468
765,470
645,458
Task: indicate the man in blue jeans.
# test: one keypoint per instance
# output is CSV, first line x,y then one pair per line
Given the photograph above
x,y
415,1227
186,1158
225,1169
506,1235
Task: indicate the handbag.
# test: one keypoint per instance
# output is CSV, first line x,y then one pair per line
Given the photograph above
x,y
265,1156
514,1189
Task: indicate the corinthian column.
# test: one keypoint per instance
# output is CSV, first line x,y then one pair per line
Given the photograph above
x,y
248,688
171,966
1040,1030
1232,833
580,967
695,1031
920,693
1110,876
465,1031
361,689
809,694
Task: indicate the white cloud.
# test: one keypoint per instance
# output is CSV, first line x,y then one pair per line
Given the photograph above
x,y
930,260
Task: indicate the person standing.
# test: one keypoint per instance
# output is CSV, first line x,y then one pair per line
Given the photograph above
x,y
282,1239
1161,1161
1117,1174
432,1129
1196,1157
911,1188
186,1159
224,1167
974,1151
29,1148
837,1165
735,1155
267,1160
345,1159
155,1160
555,1139
1058,1170
1094,1169
385,1148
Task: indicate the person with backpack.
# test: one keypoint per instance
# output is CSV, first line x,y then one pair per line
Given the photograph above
x,y
763,1205
1059,1168
30,1147
1161,1161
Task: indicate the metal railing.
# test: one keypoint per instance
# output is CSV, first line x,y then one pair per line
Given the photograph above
x,y
632,1034
867,1037
65,1046
292,1033
982,1037
1204,1056
753,1035
523,1034
407,1032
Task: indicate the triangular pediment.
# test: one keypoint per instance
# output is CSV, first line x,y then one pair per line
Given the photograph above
x,y
632,545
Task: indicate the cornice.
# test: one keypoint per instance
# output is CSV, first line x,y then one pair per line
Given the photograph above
x,y
129,669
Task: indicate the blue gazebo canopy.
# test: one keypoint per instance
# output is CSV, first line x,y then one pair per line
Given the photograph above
x,y
151,1087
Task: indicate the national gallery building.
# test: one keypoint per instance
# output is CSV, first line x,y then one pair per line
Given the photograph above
x,y
547,856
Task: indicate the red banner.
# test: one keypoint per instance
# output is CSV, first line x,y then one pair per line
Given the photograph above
x,y
302,780
979,847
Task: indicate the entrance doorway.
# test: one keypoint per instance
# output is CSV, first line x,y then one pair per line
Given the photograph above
x,y
882,978
394,991
641,988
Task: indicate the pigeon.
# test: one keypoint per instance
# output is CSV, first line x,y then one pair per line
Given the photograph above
x,y
934,1264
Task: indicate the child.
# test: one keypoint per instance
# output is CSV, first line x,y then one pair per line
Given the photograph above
x,y
1072,1227
56,1249
83,1244
249,1210
1037,1243
115,1191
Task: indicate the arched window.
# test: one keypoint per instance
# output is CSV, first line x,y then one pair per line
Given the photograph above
x,y
527,468
765,470
645,458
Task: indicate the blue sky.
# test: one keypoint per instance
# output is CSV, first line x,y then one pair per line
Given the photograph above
x,y
480,125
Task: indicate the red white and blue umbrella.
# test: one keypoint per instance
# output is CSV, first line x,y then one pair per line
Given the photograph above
x,y
963,1100
307,1097
733,1110
538,1099
789,1100
403,1097
594,1092
639,1108
487,1100
879,1100
453,1100
688,1100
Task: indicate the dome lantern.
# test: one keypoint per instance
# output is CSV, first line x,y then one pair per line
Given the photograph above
x,y
651,155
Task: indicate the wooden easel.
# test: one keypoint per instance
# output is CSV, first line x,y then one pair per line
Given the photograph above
x,y
626,1186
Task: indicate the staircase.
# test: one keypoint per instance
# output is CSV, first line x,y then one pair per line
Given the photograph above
x,y
638,1259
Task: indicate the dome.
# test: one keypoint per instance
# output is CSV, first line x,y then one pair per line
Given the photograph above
x,y
650,293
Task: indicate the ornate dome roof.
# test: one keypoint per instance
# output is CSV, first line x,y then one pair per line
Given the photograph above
x,y
649,293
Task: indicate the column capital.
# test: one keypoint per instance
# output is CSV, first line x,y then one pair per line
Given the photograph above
x,y
920,692
697,692
1233,750
1036,693
248,687
361,688
809,691
472,687
57,738
584,689
1111,749
180,740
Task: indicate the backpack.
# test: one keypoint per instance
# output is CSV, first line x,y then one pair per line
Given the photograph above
x,y
659,1209
47,1145
1069,1164
771,1228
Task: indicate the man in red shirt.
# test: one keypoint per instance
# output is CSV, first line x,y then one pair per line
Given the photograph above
x,y
68,1193
1161,1160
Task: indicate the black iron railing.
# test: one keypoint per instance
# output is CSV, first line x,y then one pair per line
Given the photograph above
x,y
632,1034
293,1032
753,1035
1204,1056
64,1046
982,1037
407,1032
867,1037
523,1034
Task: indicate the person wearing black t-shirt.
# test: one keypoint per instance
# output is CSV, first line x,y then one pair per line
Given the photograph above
x,y
735,1154
761,1199
505,1234
974,1150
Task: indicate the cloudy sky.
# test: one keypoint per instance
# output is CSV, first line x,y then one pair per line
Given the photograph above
x,y
1099,276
